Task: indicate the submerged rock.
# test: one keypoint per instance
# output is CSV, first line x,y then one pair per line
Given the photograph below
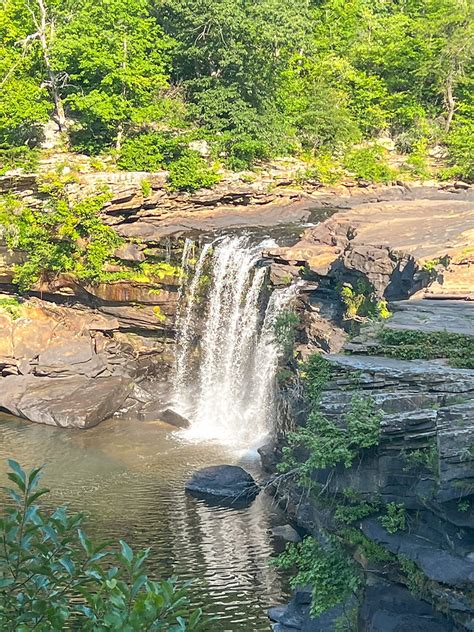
x,y
173,418
226,484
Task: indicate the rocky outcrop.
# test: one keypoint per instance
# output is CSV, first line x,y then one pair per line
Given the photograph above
x,y
69,366
390,608
387,244
385,607
426,316
225,484
171,417
424,461
70,402
295,616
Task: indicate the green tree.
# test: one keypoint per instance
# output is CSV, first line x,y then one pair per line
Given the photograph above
x,y
230,57
117,59
24,99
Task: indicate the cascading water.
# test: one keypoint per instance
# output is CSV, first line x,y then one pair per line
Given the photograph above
x,y
228,393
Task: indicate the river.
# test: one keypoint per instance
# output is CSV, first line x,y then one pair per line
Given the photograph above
x,y
128,478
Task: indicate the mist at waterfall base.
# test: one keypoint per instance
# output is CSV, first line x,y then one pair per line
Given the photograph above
x,y
227,356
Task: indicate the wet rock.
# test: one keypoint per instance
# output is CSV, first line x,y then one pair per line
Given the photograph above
x,y
287,533
295,616
283,275
173,418
438,565
69,366
391,608
130,252
268,457
227,484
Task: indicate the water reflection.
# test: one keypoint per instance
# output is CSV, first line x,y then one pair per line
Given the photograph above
x,y
128,477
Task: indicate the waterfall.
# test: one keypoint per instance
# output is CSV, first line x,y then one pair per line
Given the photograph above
x,y
226,389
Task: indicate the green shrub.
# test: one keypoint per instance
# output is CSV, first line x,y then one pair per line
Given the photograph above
x,y
150,151
18,158
243,153
315,374
322,441
59,238
418,345
463,505
191,172
417,582
329,570
11,305
285,327
372,551
395,518
369,163
53,577
426,457
324,168
145,187
460,143
361,302
354,511
417,161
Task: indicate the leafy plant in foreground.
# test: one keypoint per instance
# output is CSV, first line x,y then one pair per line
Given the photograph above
x,y
53,577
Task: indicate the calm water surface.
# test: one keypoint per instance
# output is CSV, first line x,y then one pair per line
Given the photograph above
x,y
128,478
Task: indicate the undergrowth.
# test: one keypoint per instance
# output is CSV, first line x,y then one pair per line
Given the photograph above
x,y
458,349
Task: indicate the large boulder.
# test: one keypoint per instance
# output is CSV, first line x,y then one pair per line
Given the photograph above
x,y
71,402
226,484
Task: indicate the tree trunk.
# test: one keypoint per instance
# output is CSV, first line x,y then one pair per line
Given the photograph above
x,y
450,103
119,137
42,26
120,128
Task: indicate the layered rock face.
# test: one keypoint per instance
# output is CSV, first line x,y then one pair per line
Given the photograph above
x,y
424,462
393,245
70,365
428,411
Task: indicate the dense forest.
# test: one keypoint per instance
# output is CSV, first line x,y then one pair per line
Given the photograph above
x,y
324,80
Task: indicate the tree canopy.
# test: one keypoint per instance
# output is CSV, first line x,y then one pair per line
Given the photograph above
x,y
256,78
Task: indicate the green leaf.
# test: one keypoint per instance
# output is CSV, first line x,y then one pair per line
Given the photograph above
x,y
85,542
15,466
126,551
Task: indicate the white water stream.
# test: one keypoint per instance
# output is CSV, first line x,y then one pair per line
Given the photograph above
x,y
227,356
